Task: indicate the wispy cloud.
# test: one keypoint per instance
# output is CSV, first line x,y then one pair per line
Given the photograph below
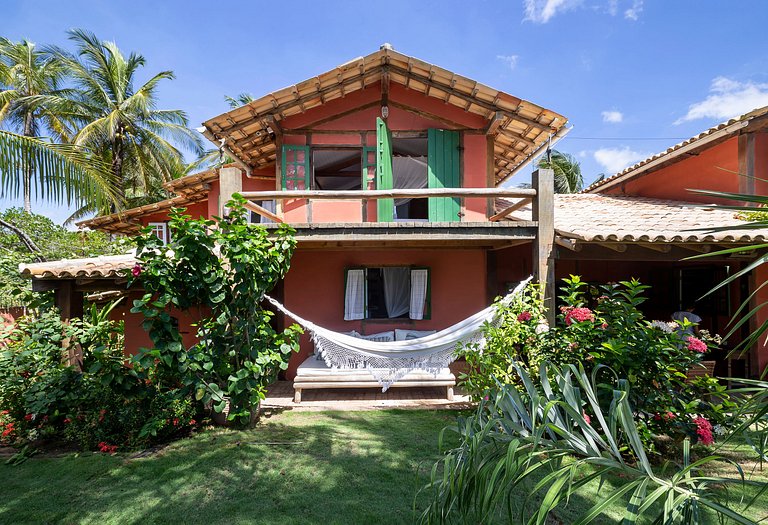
x,y
616,159
633,13
613,116
510,60
540,11
728,98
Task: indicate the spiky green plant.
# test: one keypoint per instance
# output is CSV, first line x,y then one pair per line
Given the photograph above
x,y
568,177
536,440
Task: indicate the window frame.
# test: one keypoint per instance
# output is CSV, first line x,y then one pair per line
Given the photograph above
x,y
307,178
427,301
166,238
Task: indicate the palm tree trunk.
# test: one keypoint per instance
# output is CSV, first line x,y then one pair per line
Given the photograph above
x,y
29,131
117,169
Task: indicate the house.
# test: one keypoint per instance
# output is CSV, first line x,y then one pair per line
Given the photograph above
x,y
388,169
393,172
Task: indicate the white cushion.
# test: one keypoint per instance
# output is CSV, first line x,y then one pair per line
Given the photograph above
x,y
407,335
380,337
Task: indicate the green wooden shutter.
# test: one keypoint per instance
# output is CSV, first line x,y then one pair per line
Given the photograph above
x,y
443,162
386,207
295,167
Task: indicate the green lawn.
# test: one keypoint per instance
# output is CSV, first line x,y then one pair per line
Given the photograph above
x,y
294,467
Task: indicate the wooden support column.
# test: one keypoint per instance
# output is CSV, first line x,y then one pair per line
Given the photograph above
x,y
230,182
70,304
747,164
543,246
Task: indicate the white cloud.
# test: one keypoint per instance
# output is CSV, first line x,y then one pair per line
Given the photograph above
x,y
510,60
613,116
633,13
616,159
728,98
540,11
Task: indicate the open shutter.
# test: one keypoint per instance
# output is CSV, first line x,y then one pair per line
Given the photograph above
x,y
386,207
295,167
443,162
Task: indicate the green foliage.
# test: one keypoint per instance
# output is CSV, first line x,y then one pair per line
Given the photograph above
x,y
221,271
106,405
568,177
534,440
54,241
603,329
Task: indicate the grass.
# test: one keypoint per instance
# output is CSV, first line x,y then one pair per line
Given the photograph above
x,y
295,467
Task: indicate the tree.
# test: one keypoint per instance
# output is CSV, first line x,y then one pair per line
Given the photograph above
x,y
25,72
568,178
65,173
119,122
29,237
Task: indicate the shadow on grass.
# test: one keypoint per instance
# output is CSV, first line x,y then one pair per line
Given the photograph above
x,y
310,467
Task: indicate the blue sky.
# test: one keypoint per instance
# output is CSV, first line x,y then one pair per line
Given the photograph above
x,y
632,76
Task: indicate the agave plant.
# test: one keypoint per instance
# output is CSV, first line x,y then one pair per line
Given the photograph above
x,y
537,440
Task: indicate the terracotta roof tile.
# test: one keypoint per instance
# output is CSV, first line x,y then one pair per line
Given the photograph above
x,y
613,218
106,266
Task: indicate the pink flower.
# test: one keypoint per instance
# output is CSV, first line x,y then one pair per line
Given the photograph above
x,y
604,325
67,421
524,316
29,417
192,422
578,315
670,415
586,418
704,430
696,345
136,270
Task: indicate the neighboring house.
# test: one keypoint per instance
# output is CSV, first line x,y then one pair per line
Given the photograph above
x,y
422,261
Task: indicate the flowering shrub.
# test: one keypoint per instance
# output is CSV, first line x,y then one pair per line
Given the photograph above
x,y
612,340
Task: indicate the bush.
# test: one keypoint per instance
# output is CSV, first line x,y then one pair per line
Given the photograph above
x,y
603,329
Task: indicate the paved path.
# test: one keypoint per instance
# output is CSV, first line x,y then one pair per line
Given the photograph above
x,y
280,397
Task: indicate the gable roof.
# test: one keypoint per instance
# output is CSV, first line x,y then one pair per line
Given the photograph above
x,y
622,218
523,127
708,138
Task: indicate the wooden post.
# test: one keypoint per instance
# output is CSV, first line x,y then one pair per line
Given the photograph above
x,y
230,181
70,305
746,156
543,250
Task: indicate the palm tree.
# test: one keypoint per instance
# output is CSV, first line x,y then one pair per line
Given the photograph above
x,y
119,122
26,72
71,174
568,178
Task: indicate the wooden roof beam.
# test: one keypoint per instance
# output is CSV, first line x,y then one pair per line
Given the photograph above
x,y
493,126
509,209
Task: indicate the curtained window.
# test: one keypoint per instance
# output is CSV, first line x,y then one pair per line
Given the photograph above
x,y
390,292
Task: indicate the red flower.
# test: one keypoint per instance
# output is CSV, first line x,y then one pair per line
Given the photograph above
x,y
604,325
670,415
5,412
136,270
696,345
578,315
192,422
67,421
524,316
657,417
175,422
704,430
29,417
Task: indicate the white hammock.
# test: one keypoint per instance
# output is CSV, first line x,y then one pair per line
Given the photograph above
x,y
390,361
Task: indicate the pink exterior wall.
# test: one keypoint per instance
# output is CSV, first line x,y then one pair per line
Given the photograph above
x,y
314,288
712,169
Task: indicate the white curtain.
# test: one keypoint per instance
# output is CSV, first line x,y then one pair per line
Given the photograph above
x,y
418,293
408,173
354,295
260,219
396,291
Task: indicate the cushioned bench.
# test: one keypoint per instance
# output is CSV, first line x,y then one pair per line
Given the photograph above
x,y
315,374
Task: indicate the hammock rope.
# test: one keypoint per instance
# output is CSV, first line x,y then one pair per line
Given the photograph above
x,y
390,361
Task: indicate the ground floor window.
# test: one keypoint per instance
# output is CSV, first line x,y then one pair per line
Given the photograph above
x,y
388,292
